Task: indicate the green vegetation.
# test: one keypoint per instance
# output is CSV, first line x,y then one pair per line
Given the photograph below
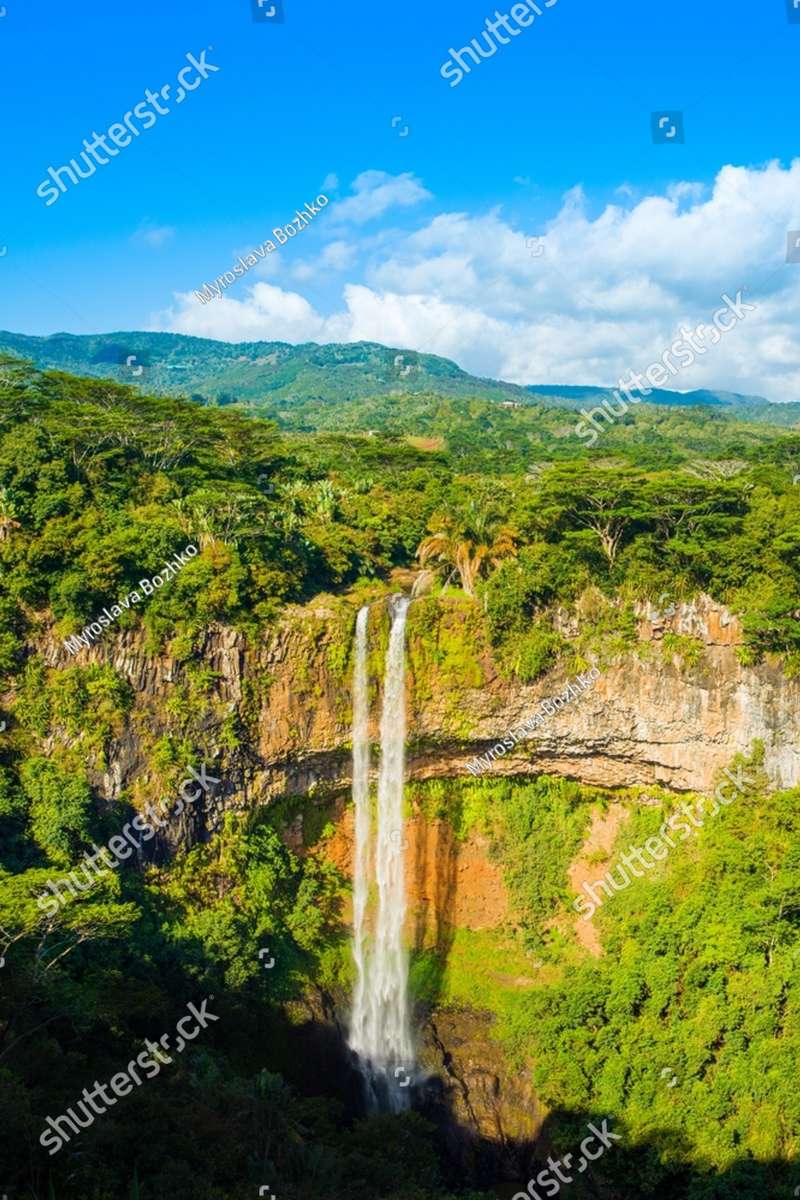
x,y
83,988
312,386
99,485
700,973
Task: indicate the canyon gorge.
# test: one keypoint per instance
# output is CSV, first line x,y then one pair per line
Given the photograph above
x,y
652,720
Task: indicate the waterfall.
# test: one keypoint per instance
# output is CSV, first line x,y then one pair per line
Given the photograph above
x,y
361,804
380,1032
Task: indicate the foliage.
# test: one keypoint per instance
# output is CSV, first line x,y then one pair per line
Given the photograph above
x,y
107,485
60,808
700,974
468,539
99,485
535,652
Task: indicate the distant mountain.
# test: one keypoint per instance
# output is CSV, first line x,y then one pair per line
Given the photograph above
x,y
276,375
735,404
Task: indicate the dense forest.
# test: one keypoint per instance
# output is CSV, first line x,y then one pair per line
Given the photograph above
x,y
100,485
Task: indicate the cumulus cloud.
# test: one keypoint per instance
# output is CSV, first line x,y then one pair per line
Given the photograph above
x,y
375,192
267,314
608,294
336,256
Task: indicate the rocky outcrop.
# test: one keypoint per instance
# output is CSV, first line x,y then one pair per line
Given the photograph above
x,y
488,1115
648,719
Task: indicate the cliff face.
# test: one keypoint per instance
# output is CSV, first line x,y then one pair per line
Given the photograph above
x,y
450,883
648,718
274,719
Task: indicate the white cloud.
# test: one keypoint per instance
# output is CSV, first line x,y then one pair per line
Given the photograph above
x,y
269,313
375,192
336,256
330,184
608,294
151,235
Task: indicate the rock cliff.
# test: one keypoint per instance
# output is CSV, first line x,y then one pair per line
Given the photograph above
x,y
648,718
274,718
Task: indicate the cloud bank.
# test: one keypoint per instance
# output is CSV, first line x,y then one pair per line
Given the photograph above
x,y
581,299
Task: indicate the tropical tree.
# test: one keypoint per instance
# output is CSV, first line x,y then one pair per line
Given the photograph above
x,y
604,500
467,541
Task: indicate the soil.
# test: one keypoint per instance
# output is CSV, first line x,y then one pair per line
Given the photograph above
x,y
450,883
585,869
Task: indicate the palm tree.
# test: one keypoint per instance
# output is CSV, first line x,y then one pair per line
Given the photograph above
x,y
467,541
219,515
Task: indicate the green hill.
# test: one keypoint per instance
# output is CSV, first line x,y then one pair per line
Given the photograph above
x,y
284,378
254,372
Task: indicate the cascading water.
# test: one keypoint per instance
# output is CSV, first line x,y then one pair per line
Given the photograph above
x,y
363,822
380,1032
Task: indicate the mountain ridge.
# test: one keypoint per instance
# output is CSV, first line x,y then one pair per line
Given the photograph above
x,y
262,372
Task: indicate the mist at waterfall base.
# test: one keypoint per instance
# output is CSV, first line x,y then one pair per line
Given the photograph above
x,y
380,1028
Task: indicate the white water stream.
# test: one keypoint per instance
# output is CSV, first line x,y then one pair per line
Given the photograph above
x,y
380,1031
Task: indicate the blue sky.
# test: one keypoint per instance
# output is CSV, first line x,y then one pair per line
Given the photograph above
x,y
484,168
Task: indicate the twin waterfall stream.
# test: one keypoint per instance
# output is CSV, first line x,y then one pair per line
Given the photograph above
x,y
380,1027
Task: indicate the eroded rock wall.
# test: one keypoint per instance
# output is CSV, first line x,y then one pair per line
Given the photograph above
x,y
648,718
